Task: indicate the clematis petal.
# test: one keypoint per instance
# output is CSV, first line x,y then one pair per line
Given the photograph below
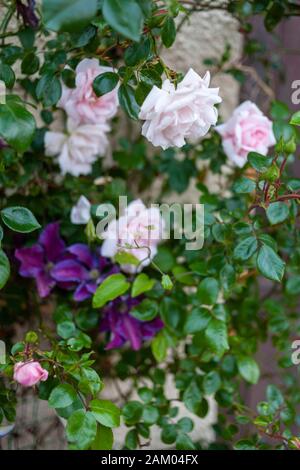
x,y
32,260
149,329
45,283
132,332
69,270
82,253
51,242
81,293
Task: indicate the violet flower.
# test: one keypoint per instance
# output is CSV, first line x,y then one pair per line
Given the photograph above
x,y
38,260
3,145
124,327
27,12
85,268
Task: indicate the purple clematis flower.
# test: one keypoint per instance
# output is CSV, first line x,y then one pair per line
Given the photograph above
x,y
85,268
3,145
124,327
27,13
38,260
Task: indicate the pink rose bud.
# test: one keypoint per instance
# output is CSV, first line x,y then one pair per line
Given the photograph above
x,y
29,373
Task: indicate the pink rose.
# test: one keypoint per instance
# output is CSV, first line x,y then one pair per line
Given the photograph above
x,y
29,373
138,232
81,103
173,114
79,149
248,130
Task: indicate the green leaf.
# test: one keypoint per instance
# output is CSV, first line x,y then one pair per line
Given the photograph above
x,y
125,17
145,394
66,329
131,439
192,398
150,414
145,311
274,397
17,125
105,82
137,52
111,288
19,219
62,396
277,212
104,439
216,336
293,285
159,346
7,75
274,15
197,320
269,264
82,429
106,413
169,434
244,185
48,89
184,442
4,269
124,257
128,101
90,382
259,162
68,15
295,119
245,249
208,291
141,284
168,32
245,444
30,64
211,382
150,77
132,412
185,424
248,368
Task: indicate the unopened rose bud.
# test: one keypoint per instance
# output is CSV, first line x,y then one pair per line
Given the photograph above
x,y
29,373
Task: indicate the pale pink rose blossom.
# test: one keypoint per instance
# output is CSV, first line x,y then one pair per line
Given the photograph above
x,y
248,130
173,115
29,373
81,212
81,104
138,232
79,149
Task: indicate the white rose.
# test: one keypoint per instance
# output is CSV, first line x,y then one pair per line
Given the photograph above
x,y
173,114
79,149
81,212
138,232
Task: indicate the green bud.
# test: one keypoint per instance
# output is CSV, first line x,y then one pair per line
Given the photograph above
x,y
166,282
271,175
90,231
31,337
290,146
